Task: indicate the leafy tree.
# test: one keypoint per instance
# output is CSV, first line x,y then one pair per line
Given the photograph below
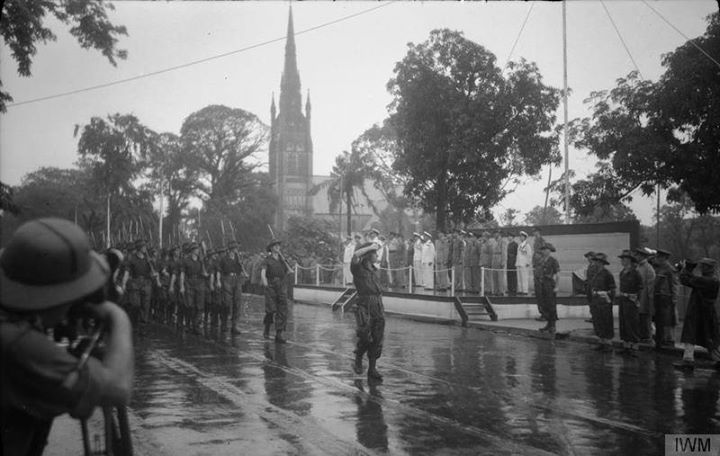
x,y
464,129
246,221
114,151
6,200
663,133
510,216
170,168
541,216
306,236
219,141
22,28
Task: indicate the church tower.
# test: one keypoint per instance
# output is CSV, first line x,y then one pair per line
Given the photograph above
x,y
290,149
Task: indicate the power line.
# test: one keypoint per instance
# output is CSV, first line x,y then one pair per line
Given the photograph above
x,y
617,30
691,41
517,38
196,62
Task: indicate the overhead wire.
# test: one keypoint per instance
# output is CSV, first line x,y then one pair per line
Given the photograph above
x,y
195,62
691,41
517,38
622,40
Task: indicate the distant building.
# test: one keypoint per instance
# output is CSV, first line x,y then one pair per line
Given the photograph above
x,y
291,153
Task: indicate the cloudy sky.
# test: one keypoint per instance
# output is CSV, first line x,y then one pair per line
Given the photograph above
x,y
344,63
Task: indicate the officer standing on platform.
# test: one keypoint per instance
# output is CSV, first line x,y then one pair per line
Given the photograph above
x,y
369,315
192,288
137,281
232,275
273,271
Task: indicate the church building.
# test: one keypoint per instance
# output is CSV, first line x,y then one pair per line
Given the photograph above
x,y
291,153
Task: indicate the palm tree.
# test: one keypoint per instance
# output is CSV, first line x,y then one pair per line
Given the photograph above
x,y
349,174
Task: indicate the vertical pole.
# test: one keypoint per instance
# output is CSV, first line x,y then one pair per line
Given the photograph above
x,y
76,214
482,281
317,275
162,210
452,283
107,223
657,227
296,274
565,111
410,277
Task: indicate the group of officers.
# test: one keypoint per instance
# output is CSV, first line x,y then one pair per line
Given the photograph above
x,y
647,296
500,261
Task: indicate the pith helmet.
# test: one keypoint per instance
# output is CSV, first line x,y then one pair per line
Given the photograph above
x,y
48,262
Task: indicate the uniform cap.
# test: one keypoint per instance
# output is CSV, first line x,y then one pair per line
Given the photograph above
x,y
627,254
589,254
548,246
48,262
661,252
272,243
523,233
602,258
708,262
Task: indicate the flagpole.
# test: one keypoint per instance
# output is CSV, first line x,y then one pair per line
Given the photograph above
x,y
565,109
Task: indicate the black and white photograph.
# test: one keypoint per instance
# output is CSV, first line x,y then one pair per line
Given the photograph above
x,y
359,227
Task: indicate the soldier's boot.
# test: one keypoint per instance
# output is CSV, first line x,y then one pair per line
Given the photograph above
x,y
358,366
373,374
551,330
268,321
234,320
224,320
279,339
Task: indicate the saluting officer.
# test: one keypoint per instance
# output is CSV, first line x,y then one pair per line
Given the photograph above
x,y
231,277
137,281
370,317
192,287
273,271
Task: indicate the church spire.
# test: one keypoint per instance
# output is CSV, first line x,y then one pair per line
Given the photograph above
x,y
290,96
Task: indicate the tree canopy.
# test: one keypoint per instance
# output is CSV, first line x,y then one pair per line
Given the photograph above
x,y
648,133
464,128
219,141
22,28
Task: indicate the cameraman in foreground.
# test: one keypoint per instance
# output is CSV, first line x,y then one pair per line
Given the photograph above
x,y
46,270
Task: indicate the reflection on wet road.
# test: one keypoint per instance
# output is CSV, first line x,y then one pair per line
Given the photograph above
x,y
447,390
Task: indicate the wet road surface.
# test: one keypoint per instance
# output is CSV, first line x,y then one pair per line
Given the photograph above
x,y
447,390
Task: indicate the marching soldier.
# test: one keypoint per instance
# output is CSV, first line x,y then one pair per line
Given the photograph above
x,y
138,277
273,271
370,316
175,304
231,275
192,288
212,296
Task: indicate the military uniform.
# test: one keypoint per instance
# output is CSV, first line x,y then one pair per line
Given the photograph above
x,y
276,304
369,315
602,293
193,280
700,326
547,300
665,290
232,276
631,285
139,288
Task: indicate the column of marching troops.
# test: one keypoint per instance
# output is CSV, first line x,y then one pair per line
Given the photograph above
x,y
186,287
